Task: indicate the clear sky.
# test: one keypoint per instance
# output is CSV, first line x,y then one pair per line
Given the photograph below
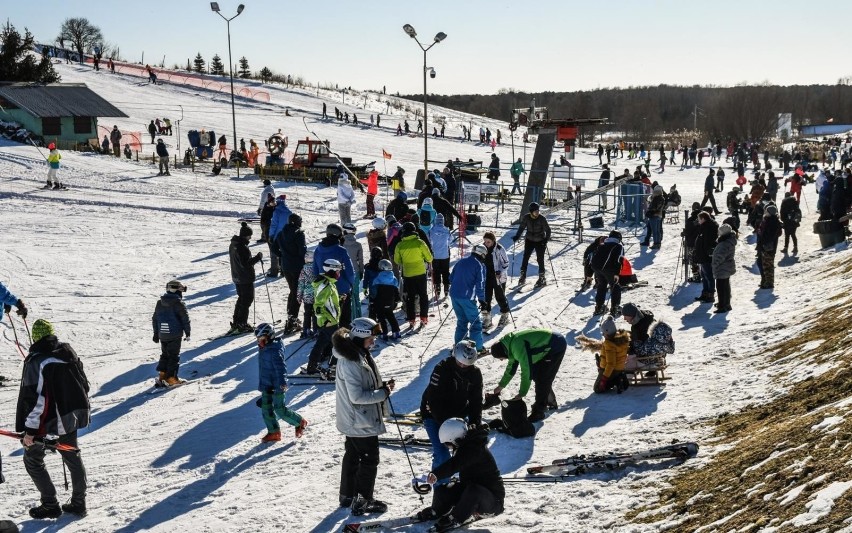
x,y
547,45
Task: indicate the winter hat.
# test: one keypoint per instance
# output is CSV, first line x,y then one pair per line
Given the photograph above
x,y
159,141
724,229
267,182
498,351
295,220
282,197
696,206
657,191
436,192
439,219
615,235
245,230
632,311
608,326
51,146
489,235
402,196
41,329
771,211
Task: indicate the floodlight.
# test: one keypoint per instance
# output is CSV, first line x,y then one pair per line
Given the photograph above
x,y
409,29
440,37
214,6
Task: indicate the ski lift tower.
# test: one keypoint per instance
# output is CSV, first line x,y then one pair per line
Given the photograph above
x,y
549,130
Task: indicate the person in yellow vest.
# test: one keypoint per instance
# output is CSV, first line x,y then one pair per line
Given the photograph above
x,y
53,162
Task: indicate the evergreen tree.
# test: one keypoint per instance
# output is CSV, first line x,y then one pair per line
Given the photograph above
x,y
244,71
265,75
199,63
16,61
216,66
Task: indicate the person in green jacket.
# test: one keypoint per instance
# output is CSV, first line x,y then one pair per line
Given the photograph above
x,y
516,170
538,353
413,255
327,311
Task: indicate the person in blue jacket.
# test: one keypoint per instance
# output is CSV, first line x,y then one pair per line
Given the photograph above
x,y
331,247
8,300
273,385
170,322
467,287
280,218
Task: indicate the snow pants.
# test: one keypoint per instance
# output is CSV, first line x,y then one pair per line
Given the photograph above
x,y
169,357
371,206
359,467
34,464
441,274
386,319
498,292
273,408
602,282
465,500
416,286
529,246
467,314
723,288
245,297
345,211
544,372
322,348
292,277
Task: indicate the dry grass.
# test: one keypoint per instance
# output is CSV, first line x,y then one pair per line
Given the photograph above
x,y
745,481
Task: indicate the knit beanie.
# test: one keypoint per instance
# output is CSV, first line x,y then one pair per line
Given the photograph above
x,y
41,329
608,326
245,231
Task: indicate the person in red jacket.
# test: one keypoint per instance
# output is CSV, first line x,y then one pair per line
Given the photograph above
x,y
372,183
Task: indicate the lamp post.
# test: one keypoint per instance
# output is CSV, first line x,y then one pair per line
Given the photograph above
x,y
214,6
440,36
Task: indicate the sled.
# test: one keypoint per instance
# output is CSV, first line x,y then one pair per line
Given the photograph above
x,y
646,370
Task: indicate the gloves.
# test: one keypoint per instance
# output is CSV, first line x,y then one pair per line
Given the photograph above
x,y
186,339
22,309
388,386
483,306
515,238
7,308
259,210
602,384
258,256
156,338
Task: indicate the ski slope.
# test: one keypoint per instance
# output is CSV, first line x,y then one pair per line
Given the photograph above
x,y
95,258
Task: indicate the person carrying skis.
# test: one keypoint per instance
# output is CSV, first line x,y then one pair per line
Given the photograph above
x,y
467,288
8,300
272,385
480,490
538,353
384,295
53,167
291,244
606,264
538,233
440,237
163,155
242,274
612,357
454,391
327,311
331,247
171,323
360,409
413,256
54,400
496,264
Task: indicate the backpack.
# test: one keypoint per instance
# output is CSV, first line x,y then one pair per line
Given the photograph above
x,y
425,217
515,421
794,216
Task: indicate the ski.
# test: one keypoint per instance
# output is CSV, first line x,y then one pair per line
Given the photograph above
x,y
52,444
580,464
408,440
373,525
310,383
412,330
412,416
631,286
519,286
469,521
231,333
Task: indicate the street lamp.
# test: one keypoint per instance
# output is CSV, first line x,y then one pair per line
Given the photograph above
x,y
214,6
440,36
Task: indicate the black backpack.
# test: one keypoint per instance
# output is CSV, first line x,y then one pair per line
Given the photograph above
x,y
515,421
425,217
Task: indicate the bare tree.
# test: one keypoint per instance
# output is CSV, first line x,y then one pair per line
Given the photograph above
x,y
82,34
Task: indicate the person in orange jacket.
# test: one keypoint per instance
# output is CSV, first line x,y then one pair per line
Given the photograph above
x,y
372,183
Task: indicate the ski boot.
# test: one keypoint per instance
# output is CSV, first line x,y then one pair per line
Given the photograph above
x,y
542,281
446,523
615,310
522,278
362,506
300,429
504,320
485,316
48,186
599,310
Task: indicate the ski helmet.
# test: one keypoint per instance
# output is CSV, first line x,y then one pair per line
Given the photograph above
x,y
409,229
379,223
376,253
333,230
175,286
534,206
480,251
385,265
332,265
349,228
364,327
264,330
465,352
51,146
452,431
427,201
309,255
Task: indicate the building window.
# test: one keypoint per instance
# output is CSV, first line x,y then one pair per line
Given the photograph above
x,y
82,124
51,126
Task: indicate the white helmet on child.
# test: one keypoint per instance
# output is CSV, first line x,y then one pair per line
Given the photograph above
x,y
379,223
385,264
465,352
452,431
364,327
332,265
480,250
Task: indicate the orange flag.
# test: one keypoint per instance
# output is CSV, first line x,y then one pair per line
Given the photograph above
x,y
385,154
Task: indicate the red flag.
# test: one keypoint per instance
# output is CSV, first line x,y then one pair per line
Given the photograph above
x,y
386,155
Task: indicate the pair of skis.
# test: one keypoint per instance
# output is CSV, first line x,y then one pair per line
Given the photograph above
x,y
51,444
408,440
394,523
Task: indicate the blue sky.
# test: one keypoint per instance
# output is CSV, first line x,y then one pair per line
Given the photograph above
x,y
543,46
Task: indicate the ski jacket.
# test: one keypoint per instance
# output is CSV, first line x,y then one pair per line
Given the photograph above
x,y
162,151
659,342
710,183
266,213
372,183
330,248
356,254
453,392
170,320
291,244
412,254
6,298
397,207
53,158
242,262
525,349
425,193
497,263
371,270
467,279
394,235
384,290
614,353
607,257
326,301
691,229
475,465
516,169
359,394
426,214
280,217
272,370
639,330
768,233
657,206
590,251
345,193
53,398
267,191
537,228
705,241
378,238
445,208
115,136
724,263
305,287
440,237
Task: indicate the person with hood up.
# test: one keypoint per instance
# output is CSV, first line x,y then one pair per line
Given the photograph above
x,y
242,274
426,215
440,237
724,266
280,217
170,322
331,247
291,243
384,295
345,198
791,217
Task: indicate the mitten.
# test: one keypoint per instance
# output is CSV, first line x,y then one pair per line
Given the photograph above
x,y
156,338
22,309
7,308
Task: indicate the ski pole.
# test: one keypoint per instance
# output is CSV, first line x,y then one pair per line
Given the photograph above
x,y
552,270
15,332
405,449
27,326
440,325
268,297
512,269
39,149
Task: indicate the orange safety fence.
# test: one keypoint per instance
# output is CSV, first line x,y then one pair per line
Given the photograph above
x,y
131,138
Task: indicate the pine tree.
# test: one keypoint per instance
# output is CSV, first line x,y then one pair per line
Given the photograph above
x,y
199,63
244,71
265,75
216,66
17,64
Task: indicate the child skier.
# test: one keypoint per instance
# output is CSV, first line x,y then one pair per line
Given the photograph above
x,y
53,162
305,295
371,270
170,322
613,356
384,295
327,311
273,385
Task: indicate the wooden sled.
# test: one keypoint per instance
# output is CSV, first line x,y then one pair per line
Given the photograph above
x,y
647,370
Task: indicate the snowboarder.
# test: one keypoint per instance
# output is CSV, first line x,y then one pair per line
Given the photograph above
x,y
612,357
538,233
291,244
53,167
496,265
538,353
242,274
273,385
413,255
384,295
53,400
327,308
171,323
163,155
360,411
331,247
467,288
606,264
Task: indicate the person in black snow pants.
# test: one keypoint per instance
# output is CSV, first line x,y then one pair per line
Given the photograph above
x,y
170,322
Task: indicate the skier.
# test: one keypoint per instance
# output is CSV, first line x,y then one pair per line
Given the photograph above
x,y
496,264
413,256
327,309
305,295
53,400
331,247
152,130
280,217
454,391
767,243
480,490
291,244
267,201
53,168
440,237
538,233
356,256
360,410
242,274
538,353
426,215
8,300
170,322
612,357
372,183
345,198
467,288
606,264
724,266
272,385
163,154
588,273
791,216
384,295
115,139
